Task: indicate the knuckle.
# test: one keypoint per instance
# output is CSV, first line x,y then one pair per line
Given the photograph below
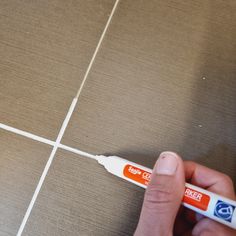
x,y
226,180
158,197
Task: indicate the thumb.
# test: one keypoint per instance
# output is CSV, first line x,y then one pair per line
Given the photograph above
x,y
163,197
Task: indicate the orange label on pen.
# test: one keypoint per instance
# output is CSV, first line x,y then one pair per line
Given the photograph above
x,y
196,199
191,196
137,174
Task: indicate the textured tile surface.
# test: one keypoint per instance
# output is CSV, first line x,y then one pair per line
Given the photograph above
x,y
164,79
80,198
21,164
45,48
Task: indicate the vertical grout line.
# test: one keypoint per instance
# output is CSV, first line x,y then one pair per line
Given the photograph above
x,y
49,162
63,127
97,48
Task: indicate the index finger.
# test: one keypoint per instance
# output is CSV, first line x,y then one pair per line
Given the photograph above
x,y
209,179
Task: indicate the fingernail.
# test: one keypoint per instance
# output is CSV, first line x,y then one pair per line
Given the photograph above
x,y
167,163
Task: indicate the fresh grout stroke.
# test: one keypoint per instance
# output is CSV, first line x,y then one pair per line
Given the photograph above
x,y
48,164
45,141
63,128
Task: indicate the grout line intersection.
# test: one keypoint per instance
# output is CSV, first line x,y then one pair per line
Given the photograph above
x,y
44,140
57,144
45,171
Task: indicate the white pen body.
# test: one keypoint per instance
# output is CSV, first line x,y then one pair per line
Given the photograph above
x,y
209,204
219,208
118,166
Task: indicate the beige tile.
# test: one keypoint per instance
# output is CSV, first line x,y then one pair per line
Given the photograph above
x,y
21,164
146,92
45,48
80,198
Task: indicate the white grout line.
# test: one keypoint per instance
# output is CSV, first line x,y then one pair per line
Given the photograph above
x,y
62,130
27,134
97,48
49,162
77,151
46,141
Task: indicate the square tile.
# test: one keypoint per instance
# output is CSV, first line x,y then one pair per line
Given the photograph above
x,y
21,164
79,197
45,49
164,79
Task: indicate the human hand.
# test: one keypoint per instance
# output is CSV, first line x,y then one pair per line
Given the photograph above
x,y
161,213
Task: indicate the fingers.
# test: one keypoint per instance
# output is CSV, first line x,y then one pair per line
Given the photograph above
x,y
182,224
213,181
209,227
163,197
209,179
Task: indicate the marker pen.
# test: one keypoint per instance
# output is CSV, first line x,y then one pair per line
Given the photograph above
x,y
209,204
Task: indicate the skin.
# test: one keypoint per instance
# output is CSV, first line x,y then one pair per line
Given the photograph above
x,y
162,213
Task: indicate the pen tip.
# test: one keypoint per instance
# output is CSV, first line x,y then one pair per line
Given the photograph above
x,y
100,158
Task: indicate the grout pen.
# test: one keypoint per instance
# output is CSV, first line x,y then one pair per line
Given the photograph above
x,y
209,204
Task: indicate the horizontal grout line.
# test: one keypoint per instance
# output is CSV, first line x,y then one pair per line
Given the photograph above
x,y
27,134
44,140
77,151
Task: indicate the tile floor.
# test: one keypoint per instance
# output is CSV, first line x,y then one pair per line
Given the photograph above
x,y
45,48
71,203
163,78
22,161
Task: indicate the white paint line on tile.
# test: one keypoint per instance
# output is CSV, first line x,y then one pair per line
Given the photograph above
x,y
63,128
27,134
44,140
45,171
77,151
97,48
